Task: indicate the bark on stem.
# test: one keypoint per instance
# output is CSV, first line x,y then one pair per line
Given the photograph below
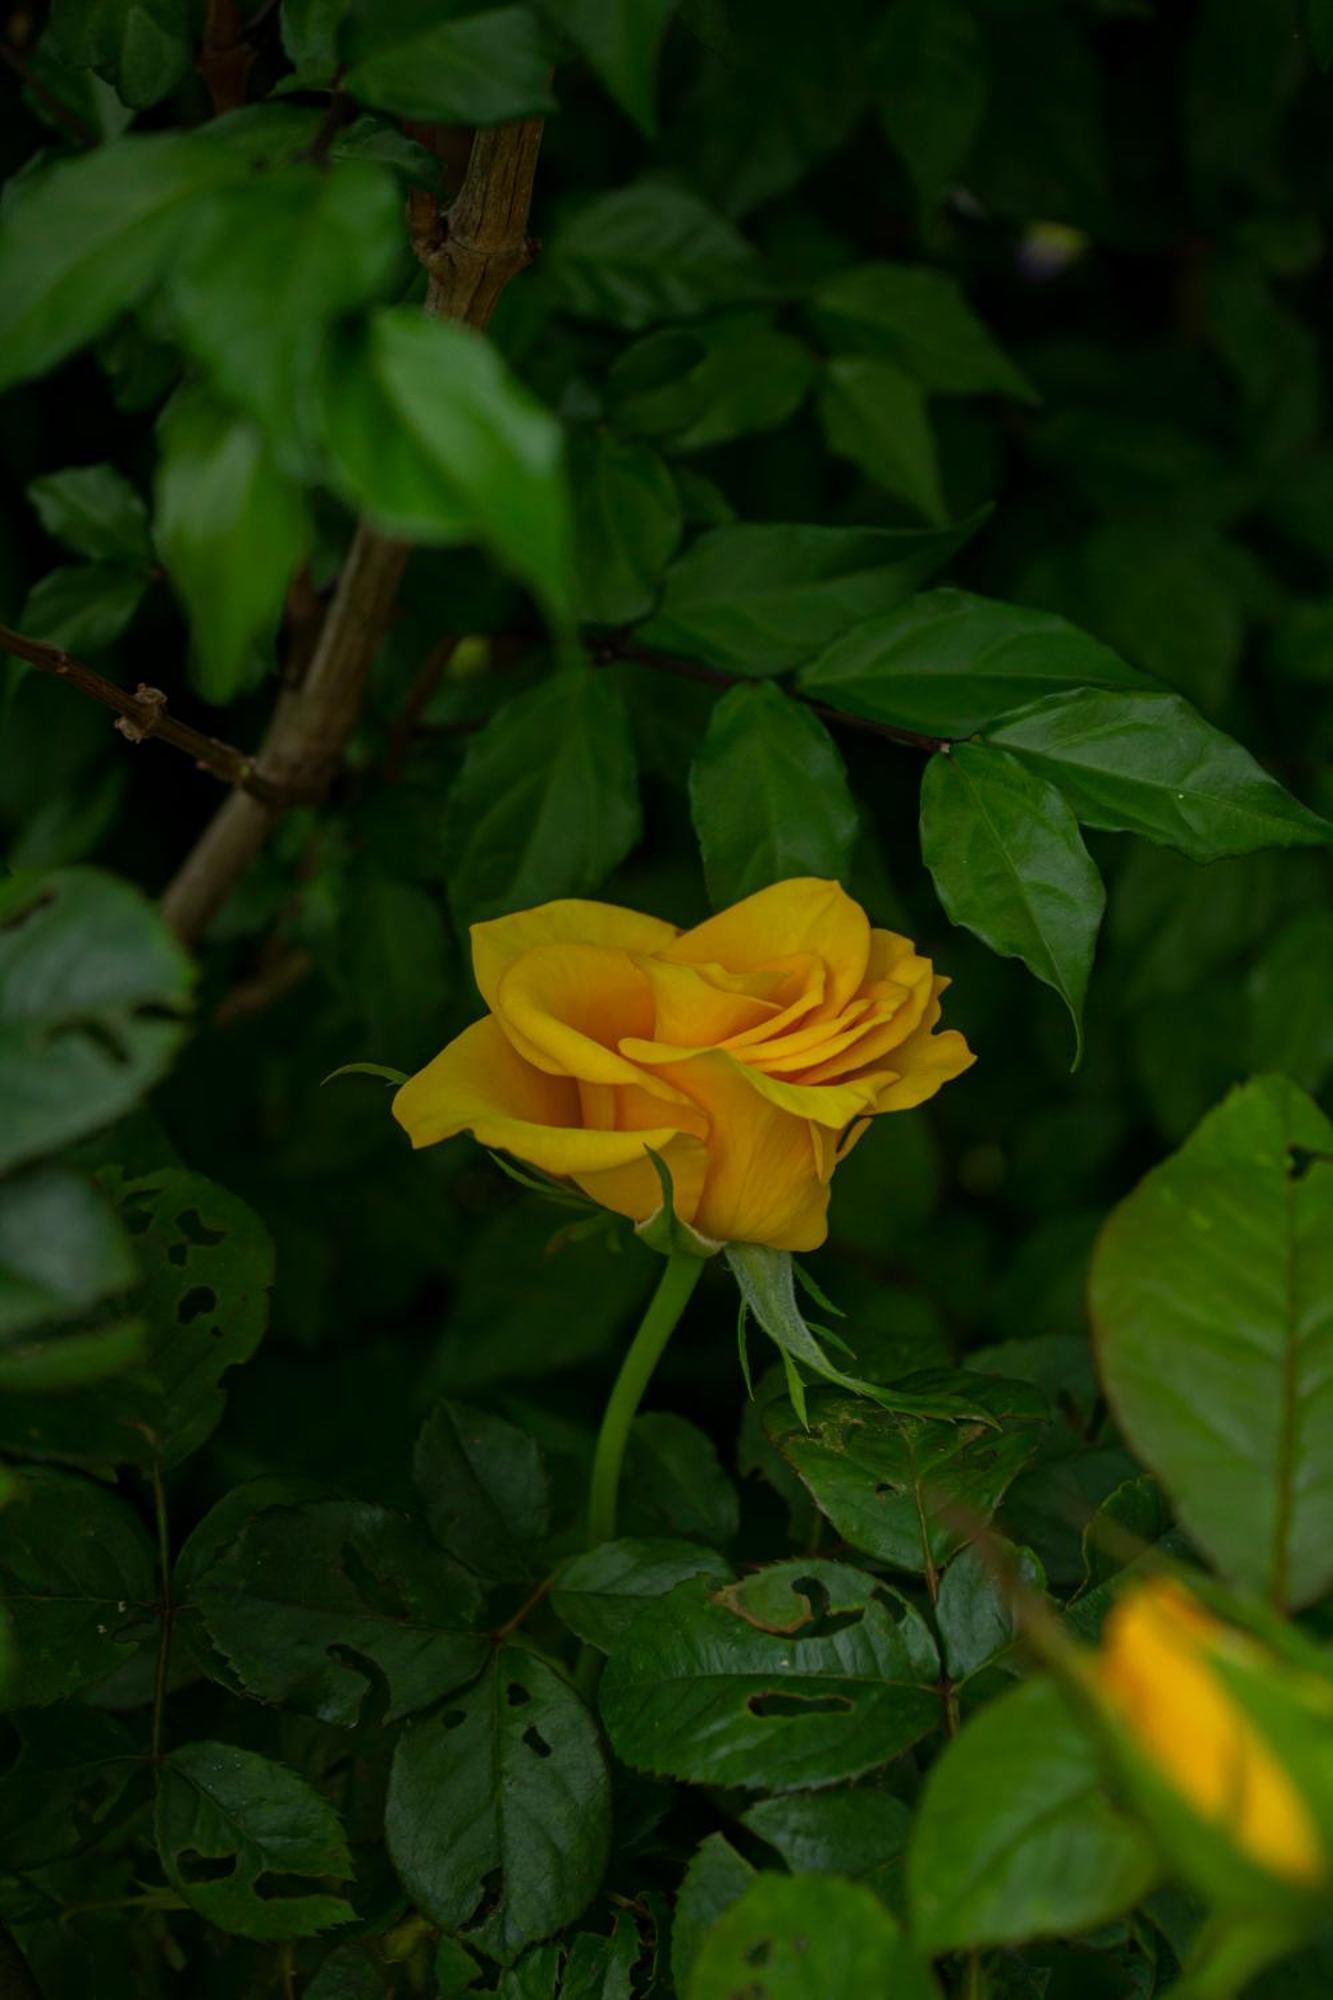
x,y
470,257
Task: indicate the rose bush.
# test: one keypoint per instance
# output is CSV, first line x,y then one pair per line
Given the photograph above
x,y
749,1052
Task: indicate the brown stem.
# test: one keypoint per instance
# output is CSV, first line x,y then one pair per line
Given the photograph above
x,y
697,670
485,245
225,56
144,714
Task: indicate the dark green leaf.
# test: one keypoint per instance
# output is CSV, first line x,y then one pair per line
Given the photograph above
x,y
653,250
627,525
949,663
92,984
71,1766
908,1490
769,796
1212,1299
142,48
62,1251
876,415
701,385
602,1968
601,1593
432,436
499,1815
306,1595
801,1674
1015,1838
673,1482
348,1973
1008,863
230,526
546,803
620,38
1148,763
77,1582
477,67
483,1489
217,1804
716,1878
791,1937
919,319
269,263
395,959
975,1612
1291,1023
760,599
861,1833
84,608
933,90
310,34
95,510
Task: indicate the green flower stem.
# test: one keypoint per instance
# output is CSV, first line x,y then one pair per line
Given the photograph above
x,y
668,1302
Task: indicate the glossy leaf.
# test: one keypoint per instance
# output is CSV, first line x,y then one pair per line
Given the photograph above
x,y
807,1936
649,251
1212,1301
599,1594
769,796
1008,863
783,1703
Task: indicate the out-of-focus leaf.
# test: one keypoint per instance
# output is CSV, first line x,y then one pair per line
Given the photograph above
x,y
759,599
932,89
918,318
700,385
92,988
483,1488
650,251
72,1765
230,526
783,1704
546,803
1008,863
1212,1301
504,1789
95,510
1015,1838
142,48
627,524
601,1593
220,1805
62,1255
975,1611
769,796
1291,1023
476,65
823,1935
620,38
84,607
875,414
394,955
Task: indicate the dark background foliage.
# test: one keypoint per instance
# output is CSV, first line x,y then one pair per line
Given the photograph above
x,y
1052,272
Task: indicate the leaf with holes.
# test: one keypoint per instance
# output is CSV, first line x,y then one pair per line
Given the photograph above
x,y
483,1489
499,1811
306,1596
233,1829
1212,1305
92,989
801,1674
908,1490
791,1937
77,1583
599,1594
1015,1837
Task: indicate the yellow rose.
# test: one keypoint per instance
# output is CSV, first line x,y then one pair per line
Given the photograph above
x,y
1158,1672
749,1053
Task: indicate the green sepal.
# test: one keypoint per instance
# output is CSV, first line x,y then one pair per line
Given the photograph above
x,y
546,1185
664,1231
397,1077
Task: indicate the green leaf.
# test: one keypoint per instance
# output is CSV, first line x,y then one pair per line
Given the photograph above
x,y
919,319
1212,1302
1291,1023
599,1594
230,526
269,264
716,1878
306,1596
431,435
759,599
482,66
934,90
949,663
142,48
602,1968
483,1490
219,1804
1015,1837
95,510
792,1937
499,1813
77,1582
627,525
84,239
85,607
395,958
975,1612
702,385
876,415
769,796
621,39
70,1768
861,1833
92,985
62,1255
1008,863
1150,764
546,803
652,250
310,34
801,1674
908,1490
673,1482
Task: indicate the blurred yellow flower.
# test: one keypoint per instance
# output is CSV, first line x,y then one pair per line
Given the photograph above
x,y
1158,1671
749,1053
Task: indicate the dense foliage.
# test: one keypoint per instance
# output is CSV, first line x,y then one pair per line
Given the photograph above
x,y
896,456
